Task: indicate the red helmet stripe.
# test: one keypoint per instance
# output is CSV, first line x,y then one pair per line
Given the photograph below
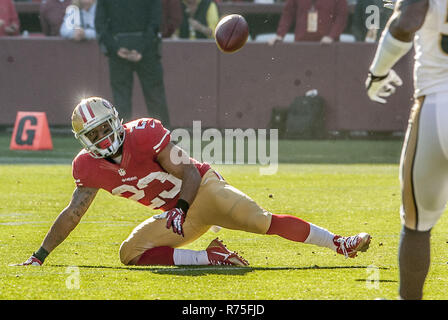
x,y
90,110
82,115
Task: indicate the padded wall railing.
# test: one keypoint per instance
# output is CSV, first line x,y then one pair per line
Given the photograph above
x,y
222,90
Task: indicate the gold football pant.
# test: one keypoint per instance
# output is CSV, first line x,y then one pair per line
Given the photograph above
x,y
216,203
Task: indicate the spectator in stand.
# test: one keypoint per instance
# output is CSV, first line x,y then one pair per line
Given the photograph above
x,y
79,20
315,20
366,26
9,20
171,17
51,15
200,18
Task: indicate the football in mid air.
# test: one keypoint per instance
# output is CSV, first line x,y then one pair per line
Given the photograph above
x,y
231,33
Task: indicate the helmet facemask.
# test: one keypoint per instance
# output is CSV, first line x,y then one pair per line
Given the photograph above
x,y
107,145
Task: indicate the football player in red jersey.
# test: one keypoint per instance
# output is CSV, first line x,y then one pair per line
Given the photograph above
x,y
136,161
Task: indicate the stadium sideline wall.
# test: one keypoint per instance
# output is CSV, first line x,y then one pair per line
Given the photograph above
x,y
222,90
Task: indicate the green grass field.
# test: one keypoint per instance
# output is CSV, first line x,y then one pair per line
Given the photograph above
x,y
344,186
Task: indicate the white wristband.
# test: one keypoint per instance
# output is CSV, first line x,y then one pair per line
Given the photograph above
x,y
388,52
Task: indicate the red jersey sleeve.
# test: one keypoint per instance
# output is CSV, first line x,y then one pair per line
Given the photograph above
x,y
80,170
78,173
160,137
150,135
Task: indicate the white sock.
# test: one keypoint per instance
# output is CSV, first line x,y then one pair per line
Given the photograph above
x,y
320,237
190,257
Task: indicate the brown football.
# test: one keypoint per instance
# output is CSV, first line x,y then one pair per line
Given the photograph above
x,y
231,33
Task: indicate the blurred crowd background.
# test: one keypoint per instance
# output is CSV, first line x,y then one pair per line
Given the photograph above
x,y
345,19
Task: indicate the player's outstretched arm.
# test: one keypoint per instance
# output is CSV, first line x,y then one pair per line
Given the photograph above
x,y
176,162
66,221
395,42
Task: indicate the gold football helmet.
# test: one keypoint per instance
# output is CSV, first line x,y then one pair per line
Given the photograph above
x,y
89,114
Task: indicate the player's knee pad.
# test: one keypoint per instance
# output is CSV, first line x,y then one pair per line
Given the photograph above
x,y
428,219
125,252
424,219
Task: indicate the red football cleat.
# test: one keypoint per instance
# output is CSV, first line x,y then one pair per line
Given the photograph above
x,y
350,246
218,254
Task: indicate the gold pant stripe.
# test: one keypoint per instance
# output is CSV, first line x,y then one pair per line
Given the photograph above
x,y
408,196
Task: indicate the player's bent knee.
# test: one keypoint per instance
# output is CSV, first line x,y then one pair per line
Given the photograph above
x,y
428,221
126,253
262,223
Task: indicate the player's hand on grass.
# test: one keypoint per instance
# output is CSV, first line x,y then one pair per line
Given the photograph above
x,y
32,261
382,87
174,218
